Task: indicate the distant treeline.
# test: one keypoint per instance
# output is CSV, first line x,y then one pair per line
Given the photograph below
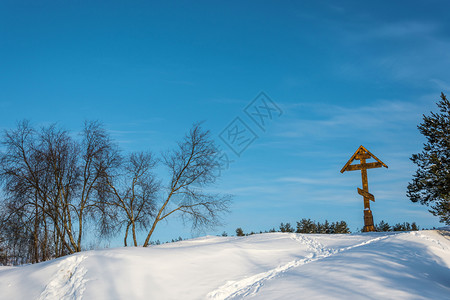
x,y
384,226
339,227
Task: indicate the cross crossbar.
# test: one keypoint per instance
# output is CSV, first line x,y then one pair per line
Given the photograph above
x,y
363,166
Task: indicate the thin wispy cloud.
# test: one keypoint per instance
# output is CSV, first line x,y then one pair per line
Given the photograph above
x,y
401,30
339,121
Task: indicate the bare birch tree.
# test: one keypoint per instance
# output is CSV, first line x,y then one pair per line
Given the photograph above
x,y
134,193
193,166
22,172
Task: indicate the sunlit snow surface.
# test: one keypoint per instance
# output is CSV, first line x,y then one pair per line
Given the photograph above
x,y
408,265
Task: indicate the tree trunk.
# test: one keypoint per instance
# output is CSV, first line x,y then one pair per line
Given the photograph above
x,y
35,234
157,219
133,229
44,245
126,235
80,230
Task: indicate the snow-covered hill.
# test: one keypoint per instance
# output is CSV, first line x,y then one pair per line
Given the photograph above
x,y
408,265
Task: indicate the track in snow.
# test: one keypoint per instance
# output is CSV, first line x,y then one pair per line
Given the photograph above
x,y
428,238
68,283
249,286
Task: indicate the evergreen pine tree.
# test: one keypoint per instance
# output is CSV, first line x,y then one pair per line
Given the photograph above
x,y
431,183
383,226
332,229
402,227
326,227
299,227
306,226
341,227
398,227
407,226
321,228
286,227
282,229
239,232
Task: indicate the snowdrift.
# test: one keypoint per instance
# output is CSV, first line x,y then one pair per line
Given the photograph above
x,y
407,265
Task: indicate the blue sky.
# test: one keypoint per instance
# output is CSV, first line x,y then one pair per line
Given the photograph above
x,y
343,75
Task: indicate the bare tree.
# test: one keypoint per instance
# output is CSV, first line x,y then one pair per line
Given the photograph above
x,y
21,174
192,166
134,192
99,158
51,181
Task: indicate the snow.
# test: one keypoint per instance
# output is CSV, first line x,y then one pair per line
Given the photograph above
x,y
404,265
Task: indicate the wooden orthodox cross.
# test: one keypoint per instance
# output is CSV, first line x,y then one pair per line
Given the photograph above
x,y
362,154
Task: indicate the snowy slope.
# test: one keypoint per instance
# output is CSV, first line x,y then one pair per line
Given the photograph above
x,y
410,265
